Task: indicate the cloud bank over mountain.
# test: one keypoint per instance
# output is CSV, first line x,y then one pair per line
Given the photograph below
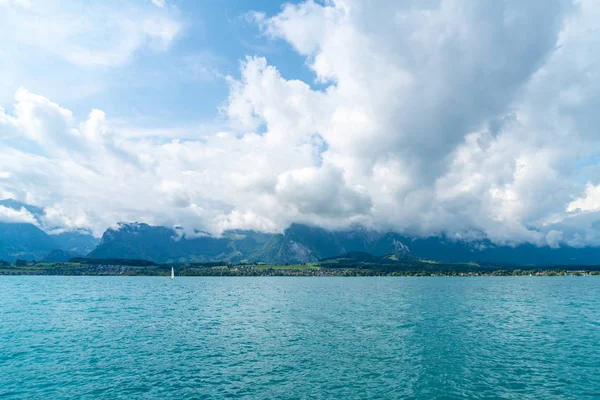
x,y
471,119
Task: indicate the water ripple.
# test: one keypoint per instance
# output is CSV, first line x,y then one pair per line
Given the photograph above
x,y
264,338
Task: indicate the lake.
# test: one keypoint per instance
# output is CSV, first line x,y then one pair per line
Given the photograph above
x,y
299,338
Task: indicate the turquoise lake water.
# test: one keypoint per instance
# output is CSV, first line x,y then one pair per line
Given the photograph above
x,y
299,338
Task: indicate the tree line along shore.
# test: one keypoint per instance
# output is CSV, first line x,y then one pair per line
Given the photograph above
x,y
337,267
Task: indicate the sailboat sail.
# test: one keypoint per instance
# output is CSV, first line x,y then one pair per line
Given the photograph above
x,y
172,273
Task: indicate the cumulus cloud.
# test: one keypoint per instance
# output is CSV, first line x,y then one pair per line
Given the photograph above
x,y
590,201
463,118
320,192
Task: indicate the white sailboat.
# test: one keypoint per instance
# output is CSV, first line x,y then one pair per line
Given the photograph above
x,y
172,274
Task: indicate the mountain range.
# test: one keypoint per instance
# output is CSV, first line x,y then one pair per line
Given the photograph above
x,y
297,244
28,241
303,244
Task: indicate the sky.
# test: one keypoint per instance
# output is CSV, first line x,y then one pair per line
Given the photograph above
x,y
432,117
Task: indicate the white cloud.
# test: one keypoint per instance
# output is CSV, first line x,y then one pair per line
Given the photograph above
x,y
102,36
18,3
463,118
70,53
590,201
320,192
8,214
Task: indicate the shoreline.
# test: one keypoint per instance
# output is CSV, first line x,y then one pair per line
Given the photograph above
x,y
324,275
322,269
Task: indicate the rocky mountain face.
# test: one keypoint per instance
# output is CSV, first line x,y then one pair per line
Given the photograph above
x,y
302,244
298,244
161,244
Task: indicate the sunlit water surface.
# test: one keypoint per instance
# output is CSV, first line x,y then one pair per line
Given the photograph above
x,y
295,338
